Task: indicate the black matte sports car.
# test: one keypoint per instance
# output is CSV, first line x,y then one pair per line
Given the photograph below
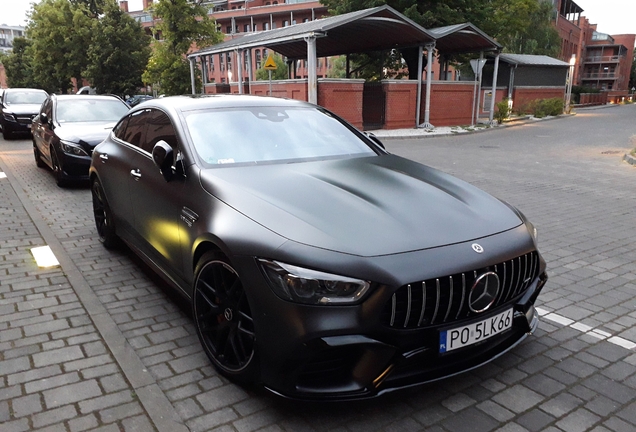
x,y
317,264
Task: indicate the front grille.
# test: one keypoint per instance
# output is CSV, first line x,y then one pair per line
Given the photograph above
x,y
445,299
24,118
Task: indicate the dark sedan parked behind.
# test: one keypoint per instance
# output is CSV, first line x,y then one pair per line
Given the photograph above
x,y
317,264
17,108
68,128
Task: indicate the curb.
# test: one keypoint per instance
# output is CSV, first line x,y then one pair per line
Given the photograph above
x,y
630,159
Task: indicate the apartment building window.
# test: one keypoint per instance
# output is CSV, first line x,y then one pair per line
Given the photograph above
x,y
229,61
286,23
266,26
228,30
211,63
258,59
246,28
222,62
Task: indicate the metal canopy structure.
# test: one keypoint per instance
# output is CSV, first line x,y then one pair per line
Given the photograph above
x,y
377,29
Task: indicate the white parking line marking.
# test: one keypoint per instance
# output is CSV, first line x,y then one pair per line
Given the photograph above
x,y
2,175
584,328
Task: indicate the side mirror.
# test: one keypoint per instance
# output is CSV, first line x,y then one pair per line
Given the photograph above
x,y
44,118
375,140
163,156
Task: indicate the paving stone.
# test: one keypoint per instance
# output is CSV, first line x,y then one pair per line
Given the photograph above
x,y
578,420
518,398
71,393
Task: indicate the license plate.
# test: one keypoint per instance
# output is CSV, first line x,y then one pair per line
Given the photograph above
x,y
476,332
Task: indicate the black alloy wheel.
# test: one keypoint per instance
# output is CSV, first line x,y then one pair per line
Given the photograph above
x,y
57,169
104,221
223,319
37,156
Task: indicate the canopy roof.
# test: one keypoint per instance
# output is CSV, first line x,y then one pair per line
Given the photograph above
x,y
532,60
376,29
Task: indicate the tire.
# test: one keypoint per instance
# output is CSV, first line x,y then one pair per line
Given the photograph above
x,y
104,221
58,172
5,133
37,156
223,319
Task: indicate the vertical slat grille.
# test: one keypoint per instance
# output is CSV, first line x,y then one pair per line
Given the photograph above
x,y
441,300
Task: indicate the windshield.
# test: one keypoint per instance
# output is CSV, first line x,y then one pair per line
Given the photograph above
x,y
25,97
259,134
90,110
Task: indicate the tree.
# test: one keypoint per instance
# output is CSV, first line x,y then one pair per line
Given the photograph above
x,y
118,53
183,25
279,74
632,75
59,33
17,65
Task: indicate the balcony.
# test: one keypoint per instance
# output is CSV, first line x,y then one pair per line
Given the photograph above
x,y
599,76
603,59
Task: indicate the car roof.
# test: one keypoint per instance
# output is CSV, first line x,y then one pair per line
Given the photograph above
x,y
197,102
83,96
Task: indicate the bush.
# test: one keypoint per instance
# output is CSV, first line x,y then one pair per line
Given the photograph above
x,y
503,111
540,108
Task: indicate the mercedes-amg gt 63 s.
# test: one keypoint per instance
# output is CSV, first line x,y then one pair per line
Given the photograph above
x,y
317,264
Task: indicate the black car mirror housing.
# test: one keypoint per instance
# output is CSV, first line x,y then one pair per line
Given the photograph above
x,y
163,156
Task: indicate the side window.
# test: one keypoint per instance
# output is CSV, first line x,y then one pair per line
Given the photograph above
x,y
120,129
46,107
159,128
135,128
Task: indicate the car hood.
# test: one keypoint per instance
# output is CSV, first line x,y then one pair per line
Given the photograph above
x,y
89,133
367,206
22,109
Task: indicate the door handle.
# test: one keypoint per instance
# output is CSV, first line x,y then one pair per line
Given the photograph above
x,y
136,173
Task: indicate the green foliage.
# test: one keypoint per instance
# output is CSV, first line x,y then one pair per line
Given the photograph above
x,y
279,74
169,72
17,65
183,25
59,33
540,108
338,67
632,75
578,90
503,110
118,40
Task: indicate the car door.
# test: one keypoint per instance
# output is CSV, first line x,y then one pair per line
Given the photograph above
x,y
158,202
116,155
42,132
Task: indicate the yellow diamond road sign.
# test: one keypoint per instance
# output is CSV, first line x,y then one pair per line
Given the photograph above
x,y
270,64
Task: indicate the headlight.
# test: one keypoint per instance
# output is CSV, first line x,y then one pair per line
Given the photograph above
x,y
302,285
72,148
533,232
8,116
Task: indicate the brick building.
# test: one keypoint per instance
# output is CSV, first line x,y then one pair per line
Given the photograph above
x,y
603,61
236,17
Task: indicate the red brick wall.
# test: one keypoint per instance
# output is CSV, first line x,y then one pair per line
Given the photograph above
x,y
593,98
343,97
401,99
451,103
291,89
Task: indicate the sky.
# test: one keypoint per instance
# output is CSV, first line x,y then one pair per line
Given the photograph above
x,y
612,16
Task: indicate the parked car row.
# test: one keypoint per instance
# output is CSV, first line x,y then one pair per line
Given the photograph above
x,y
18,107
318,265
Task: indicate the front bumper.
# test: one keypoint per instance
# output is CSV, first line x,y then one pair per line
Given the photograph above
x,y
349,352
74,167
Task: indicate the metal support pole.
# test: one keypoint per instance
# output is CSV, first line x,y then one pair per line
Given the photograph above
x,y
494,90
192,61
204,73
239,70
481,57
420,55
429,77
250,72
312,73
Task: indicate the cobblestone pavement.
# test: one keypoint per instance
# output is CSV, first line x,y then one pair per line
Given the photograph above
x,y
99,343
